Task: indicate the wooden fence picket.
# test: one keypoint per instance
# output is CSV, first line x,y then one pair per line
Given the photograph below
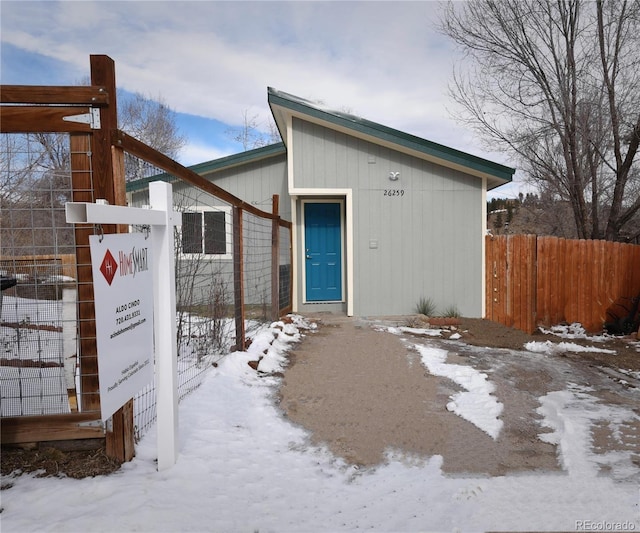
x,y
533,281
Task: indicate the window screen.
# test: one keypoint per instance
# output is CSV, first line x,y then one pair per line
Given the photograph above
x,y
191,233
215,238
204,232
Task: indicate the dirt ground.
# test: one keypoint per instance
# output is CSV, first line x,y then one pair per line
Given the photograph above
x,y
48,461
363,393
481,332
398,407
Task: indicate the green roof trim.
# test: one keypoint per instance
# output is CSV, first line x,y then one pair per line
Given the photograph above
x,y
363,126
222,163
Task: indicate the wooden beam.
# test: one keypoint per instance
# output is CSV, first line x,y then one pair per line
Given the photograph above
x,y
108,181
275,260
238,278
120,441
103,74
141,150
69,95
33,119
20,429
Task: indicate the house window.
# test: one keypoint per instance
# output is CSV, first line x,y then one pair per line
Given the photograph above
x,y
207,232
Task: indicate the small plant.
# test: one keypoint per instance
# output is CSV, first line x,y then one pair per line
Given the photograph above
x,y
425,307
451,312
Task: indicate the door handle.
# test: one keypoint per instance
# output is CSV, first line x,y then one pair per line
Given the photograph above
x,y
308,256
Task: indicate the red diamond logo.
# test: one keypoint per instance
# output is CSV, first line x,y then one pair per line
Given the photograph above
x,y
108,267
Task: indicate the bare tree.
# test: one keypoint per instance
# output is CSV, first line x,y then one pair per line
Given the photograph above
x,y
558,84
152,122
249,134
34,186
35,175
148,119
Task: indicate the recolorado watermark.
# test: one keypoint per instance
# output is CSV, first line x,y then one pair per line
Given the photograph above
x,y
603,525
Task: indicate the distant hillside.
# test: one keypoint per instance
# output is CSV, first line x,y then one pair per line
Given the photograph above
x,y
530,215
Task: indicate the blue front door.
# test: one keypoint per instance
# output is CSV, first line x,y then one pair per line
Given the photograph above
x,y
323,251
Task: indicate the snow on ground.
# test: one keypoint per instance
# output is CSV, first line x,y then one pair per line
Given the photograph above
x,y
427,332
568,331
244,467
33,391
573,331
476,403
31,311
549,347
570,414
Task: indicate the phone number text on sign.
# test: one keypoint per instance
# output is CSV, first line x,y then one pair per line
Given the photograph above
x,y
127,307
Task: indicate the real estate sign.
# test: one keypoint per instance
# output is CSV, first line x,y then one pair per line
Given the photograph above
x,y
123,293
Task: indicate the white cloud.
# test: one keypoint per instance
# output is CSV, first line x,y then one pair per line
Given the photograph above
x,y
195,153
362,55
381,60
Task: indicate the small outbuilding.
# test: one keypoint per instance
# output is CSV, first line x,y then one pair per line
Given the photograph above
x,y
381,218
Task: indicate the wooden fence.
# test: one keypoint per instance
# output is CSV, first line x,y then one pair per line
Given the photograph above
x,y
532,281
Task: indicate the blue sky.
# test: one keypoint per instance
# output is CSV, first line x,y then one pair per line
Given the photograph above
x,y
212,61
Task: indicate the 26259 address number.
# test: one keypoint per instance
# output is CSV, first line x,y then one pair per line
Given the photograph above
x,y
394,192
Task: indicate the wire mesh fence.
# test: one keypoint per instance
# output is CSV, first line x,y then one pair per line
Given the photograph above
x,y
48,364
210,270
38,363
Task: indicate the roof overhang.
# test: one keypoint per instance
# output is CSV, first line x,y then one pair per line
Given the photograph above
x,y
285,107
216,165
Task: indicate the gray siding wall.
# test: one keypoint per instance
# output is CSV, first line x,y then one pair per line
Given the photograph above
x,y
255,183
425,242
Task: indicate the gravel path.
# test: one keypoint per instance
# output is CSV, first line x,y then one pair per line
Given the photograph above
x,y
363,392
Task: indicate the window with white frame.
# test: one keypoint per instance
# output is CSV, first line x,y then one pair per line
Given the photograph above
x,y
207,231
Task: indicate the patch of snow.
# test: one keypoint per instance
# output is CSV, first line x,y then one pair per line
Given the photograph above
x,y
571,414
572,331
632,373
428,332
476,404
58,279
283,335
549,347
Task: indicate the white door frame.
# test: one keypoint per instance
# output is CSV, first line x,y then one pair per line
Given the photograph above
x,y
345,195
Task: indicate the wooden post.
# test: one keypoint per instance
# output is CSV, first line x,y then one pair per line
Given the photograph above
x,y
238,277
275,260
109,183
103,73
81,177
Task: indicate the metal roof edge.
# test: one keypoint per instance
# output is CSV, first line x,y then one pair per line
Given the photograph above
x,y
407,140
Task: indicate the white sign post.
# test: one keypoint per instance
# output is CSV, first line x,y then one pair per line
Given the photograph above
x,y
161,218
